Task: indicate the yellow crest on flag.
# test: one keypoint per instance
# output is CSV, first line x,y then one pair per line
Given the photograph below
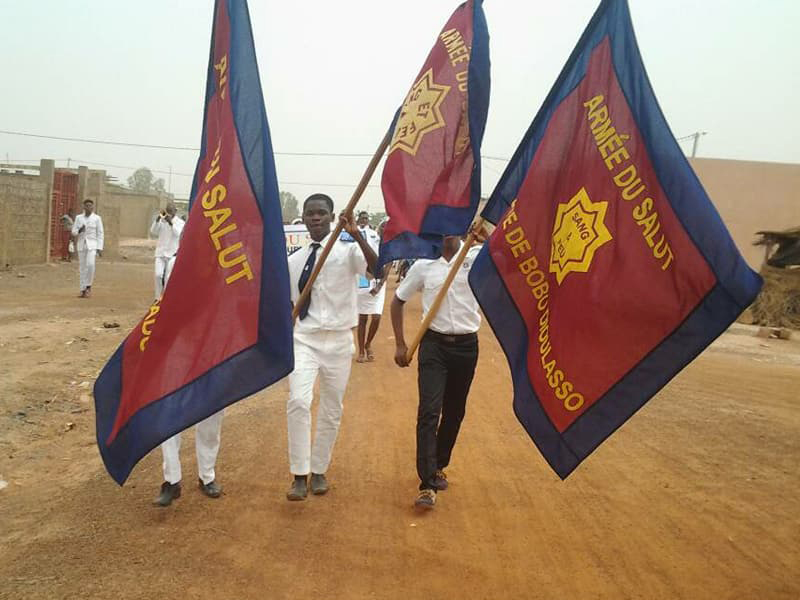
x,y
420,114
579,230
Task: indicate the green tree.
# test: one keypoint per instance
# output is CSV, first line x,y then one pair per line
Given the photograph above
x,y
144,181
289,207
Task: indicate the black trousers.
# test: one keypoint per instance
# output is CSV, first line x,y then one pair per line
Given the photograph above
x,y
446,367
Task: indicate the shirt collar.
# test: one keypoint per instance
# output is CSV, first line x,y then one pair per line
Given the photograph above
x,y
322,242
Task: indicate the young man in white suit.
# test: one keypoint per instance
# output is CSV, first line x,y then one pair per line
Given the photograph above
x,y
167,227
88,228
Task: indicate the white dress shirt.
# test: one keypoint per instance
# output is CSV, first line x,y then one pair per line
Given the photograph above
x,y
169,236
333,295
458,313
372,237
92,237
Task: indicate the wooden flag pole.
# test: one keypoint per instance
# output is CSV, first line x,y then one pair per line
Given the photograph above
x,y
362,185
442,292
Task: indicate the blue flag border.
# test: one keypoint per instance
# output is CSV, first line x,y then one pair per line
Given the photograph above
x,y
737,285
243,374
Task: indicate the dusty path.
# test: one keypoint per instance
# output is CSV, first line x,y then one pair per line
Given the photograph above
x,y
696,497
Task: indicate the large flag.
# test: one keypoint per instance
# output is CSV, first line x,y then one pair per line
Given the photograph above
x,y
432,176
222,329
610,270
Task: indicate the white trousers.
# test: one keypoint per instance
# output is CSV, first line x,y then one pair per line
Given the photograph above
x,y
86,262
207,437
329,355
162,263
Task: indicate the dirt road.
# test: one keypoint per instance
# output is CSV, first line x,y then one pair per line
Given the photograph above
x,y
695,497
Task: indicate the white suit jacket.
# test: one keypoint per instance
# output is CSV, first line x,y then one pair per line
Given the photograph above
x,y
92,236
169,237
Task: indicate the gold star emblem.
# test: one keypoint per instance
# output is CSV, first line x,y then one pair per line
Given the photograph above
x,y
420,114
579,230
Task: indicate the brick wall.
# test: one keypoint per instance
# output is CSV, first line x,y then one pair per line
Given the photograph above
x,y
23,220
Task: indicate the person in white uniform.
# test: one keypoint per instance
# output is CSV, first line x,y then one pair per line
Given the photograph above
x,y
371,296
167,227
323,341
448,354
88,229
207,435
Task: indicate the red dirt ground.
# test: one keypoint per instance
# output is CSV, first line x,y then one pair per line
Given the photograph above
x,y
695,497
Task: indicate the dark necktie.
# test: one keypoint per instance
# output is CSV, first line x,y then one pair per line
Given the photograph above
x,y
304,277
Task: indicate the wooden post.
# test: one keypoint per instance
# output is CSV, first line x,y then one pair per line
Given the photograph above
x,y
362,185
443,292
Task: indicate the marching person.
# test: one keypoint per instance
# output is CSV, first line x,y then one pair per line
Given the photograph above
x,y
323,341
207,432
447,357
207,435
88,228
371,296
167,227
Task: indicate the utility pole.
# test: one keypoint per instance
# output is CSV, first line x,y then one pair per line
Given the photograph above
x,y
696,135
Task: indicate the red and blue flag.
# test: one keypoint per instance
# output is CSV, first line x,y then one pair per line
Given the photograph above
x,y
609,270
432,176
222,330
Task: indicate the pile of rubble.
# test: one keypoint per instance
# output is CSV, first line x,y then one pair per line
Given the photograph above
x,y
778,304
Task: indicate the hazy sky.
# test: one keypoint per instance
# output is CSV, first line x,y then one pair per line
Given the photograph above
x,y
334,72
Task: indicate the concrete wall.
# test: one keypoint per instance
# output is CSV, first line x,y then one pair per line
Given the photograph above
x,y
24,205
136,211
751,196
110,216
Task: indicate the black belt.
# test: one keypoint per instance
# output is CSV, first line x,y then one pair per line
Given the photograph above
x,y
451,338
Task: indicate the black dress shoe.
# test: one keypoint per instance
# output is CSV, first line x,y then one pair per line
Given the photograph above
x,y
440,481
299,489
169,492
211,489
319,485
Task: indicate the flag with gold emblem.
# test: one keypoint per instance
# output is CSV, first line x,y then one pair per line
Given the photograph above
x,y
609,270
432,177
222,329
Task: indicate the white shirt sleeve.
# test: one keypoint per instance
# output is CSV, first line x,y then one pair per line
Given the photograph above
x,y
76,225
177,226
358,263
155,226
413,283
100,233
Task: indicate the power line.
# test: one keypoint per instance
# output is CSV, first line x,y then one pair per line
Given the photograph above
x,y
97,164
106,142
190,149
164,147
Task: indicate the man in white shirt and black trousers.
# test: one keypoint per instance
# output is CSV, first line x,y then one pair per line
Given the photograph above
x,y
447,357
323,341
88,229
167,227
